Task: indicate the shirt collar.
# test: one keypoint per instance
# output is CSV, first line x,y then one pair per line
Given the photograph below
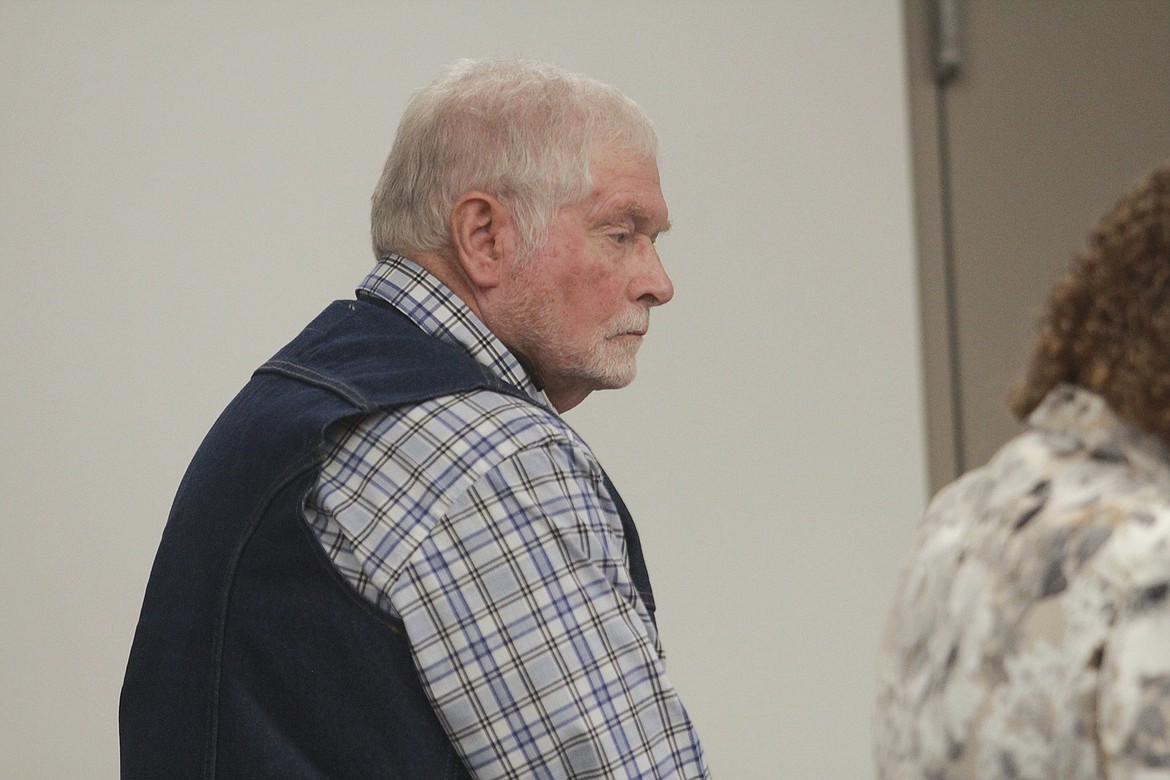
x,y
438,311
1070,410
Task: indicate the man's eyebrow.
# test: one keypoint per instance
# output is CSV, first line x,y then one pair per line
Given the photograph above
x,y
640,216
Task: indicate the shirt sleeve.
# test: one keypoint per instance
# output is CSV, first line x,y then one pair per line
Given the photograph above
x,y
531,641
1134,698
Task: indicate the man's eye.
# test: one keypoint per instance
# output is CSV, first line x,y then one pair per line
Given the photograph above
x,y
621,238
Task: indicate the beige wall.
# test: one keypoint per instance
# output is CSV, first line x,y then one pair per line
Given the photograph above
x,y
183,185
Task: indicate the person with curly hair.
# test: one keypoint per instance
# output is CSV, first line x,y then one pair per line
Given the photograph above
x,y
1030,635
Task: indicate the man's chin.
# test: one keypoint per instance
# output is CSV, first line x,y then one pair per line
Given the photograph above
x,y
616,380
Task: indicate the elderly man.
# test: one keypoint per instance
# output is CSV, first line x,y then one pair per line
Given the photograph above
x,y
391,557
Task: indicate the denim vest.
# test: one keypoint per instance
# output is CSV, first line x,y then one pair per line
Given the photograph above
x,y
253,658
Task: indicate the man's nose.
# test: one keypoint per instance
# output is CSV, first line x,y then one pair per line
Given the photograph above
x,y
656,287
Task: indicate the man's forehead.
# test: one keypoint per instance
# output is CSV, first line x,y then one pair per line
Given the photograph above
x,y
626,186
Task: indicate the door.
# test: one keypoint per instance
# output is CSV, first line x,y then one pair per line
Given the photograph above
x,y
1029,119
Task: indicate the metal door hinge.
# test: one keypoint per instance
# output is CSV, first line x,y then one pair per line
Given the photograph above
x,y
947,50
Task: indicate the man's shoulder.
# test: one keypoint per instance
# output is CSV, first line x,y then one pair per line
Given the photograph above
x,y
479,428
505,423
421,458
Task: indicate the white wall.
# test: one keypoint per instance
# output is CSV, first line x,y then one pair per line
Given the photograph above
x,y
182,185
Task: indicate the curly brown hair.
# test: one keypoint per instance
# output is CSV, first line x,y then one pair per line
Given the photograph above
x,y
1106,326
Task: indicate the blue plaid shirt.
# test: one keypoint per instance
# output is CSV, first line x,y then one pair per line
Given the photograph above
x,y
482,521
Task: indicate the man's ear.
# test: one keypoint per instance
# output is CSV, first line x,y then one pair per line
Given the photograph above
x,y
484,237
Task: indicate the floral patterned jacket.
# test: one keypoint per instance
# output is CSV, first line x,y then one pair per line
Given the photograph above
x,y
1030,637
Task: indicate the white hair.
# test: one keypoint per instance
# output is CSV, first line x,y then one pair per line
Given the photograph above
x,y
526,132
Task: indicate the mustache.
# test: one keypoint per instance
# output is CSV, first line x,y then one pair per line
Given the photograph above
x,y
633,323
